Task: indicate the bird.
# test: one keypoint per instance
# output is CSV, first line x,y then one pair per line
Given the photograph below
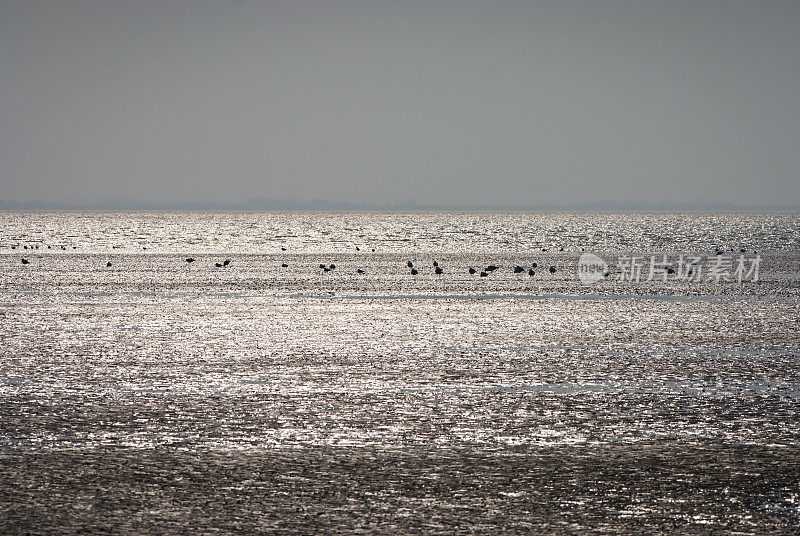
x,y
534,264
552,269
358,248
284,265
438,271
491,268
25,261
218,264
484,274
283,248
472,270
518,269
562,249
414,271
190,260
410,264
359,271
226,262
436,263
531,272
332,266
326,269
108,264
322,266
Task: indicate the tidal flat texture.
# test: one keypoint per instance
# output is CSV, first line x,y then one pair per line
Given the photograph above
x,y
144,394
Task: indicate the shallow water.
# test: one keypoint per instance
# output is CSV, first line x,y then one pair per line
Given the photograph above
x,y
162,396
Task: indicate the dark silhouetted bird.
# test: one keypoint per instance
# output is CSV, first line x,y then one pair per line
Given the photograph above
x,y
322,266
518,269
25,261
531,272
284,265
332,266
359,271
534,264
414,271
358,248
283,248
491,268
190,260
218,264
436,263
438,271
484,274
472,270
552,269
108,264
410,264
226,262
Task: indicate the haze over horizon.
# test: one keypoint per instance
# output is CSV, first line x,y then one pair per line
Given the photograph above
x,y
446,103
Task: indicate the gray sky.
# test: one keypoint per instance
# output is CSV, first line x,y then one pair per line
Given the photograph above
x,y
444,102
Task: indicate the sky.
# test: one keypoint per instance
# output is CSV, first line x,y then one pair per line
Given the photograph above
x,y
458,102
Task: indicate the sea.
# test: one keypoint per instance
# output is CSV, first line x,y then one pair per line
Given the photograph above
x,y
287,373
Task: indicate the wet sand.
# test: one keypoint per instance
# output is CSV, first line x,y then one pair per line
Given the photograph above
x,y
156,396
649,488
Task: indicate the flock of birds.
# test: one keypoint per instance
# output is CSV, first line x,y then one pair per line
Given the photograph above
x,y
437,269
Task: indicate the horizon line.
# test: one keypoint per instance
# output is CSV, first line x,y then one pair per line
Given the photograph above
x,y
265,204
